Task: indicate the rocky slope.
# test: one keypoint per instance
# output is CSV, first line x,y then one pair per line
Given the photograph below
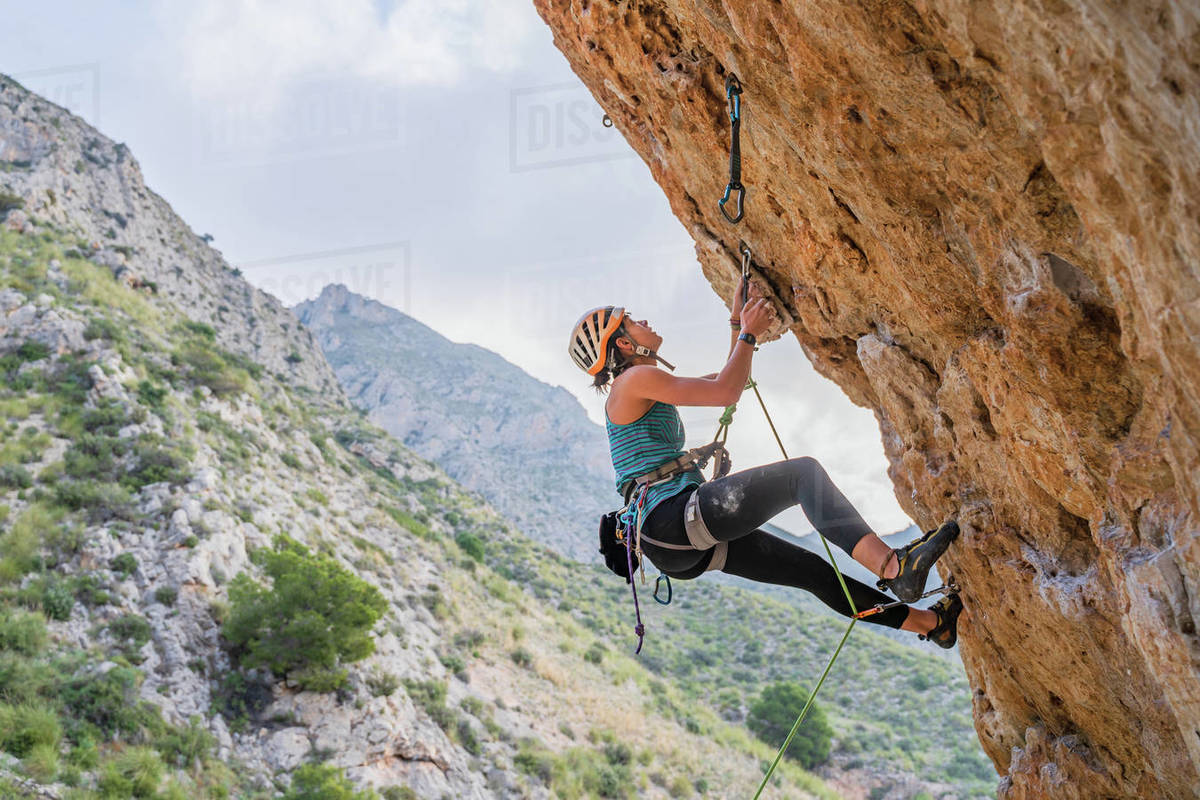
x,y
527,447
161,423
982,218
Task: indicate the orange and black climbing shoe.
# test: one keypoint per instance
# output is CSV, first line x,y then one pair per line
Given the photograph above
x,y
945,633
915,560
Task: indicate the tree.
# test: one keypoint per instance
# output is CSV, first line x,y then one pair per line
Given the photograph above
x,y
314,617
773,714
322,782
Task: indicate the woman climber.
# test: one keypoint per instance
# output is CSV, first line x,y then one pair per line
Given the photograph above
x,y
689,526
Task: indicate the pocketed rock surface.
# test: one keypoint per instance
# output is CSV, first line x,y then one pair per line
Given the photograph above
x,y
982,219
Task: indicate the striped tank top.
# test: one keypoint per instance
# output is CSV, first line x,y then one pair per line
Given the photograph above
x,y
648,442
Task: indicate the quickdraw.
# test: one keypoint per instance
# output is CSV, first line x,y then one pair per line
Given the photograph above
x,y
733,94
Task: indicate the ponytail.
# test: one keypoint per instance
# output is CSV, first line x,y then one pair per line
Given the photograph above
x,y
614,365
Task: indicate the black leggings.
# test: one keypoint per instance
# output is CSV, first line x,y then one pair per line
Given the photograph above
x,y
734,506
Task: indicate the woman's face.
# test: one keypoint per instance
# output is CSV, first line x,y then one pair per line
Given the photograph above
x,y
641,333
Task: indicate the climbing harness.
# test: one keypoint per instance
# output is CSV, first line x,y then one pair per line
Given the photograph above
x,y
635,492
733,94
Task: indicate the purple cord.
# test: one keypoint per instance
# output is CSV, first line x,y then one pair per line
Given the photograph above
x,y
639,629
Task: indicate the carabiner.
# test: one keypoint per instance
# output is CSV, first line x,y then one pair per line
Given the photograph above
x,y
733,91
657,581
734,186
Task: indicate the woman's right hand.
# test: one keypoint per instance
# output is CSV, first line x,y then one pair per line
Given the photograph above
x,y
756,316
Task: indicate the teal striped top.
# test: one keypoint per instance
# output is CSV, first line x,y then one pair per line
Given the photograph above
x,y
649,441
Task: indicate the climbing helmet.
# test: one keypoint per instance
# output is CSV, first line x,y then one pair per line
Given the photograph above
x,y
591,338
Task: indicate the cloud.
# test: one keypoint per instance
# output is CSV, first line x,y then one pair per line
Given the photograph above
x,y
223,43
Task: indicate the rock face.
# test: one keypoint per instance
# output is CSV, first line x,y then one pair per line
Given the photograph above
x,y
982,218
527,447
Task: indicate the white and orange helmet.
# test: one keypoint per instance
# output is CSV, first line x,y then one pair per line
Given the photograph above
x,y
592,337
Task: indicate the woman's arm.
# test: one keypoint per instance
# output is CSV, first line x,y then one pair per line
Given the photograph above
x,y
652,383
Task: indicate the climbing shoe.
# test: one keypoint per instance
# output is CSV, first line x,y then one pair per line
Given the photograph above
x,y
916,559
945,633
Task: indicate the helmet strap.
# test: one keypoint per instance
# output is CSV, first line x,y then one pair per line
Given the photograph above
x,y
642,350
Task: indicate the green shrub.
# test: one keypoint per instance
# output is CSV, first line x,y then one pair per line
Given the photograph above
x,y
431,696
470,544
90,590
131,632
201,330
407,520
775,711
382,684
210,368
184,747
103,329
522,657
242,697
9,201
24,679
135,772
58,599
106,419
399,793
29,351
41,763
108,704
22,632
290,460
317,496
159,461
465,735
25,726
315,615
535,761
95,456
124,564
101,500
71,383
14,476
167,595
152,395
323,782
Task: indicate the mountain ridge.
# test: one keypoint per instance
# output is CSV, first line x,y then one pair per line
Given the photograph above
x,y
542,446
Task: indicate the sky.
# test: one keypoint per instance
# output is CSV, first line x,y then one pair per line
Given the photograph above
x,y
439,156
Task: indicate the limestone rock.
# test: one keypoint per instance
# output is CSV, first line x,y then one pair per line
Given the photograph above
x,y
134,233
982,217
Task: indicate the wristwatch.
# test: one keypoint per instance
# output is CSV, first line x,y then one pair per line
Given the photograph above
x,y
748,338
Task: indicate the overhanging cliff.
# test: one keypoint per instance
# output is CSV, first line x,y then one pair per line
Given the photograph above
x,y
982,218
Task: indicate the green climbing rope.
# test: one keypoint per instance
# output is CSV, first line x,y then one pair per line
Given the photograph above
x,y
726,420
804,712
